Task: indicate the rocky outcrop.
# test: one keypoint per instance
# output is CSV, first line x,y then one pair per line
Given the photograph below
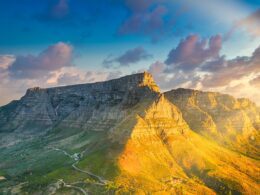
x,y
229,121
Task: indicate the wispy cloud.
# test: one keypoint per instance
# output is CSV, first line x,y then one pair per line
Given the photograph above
x,y
56,10
250,24
130,56
256,82
6,61
150,18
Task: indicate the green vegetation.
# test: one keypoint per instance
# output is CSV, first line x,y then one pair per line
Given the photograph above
x,y
101,162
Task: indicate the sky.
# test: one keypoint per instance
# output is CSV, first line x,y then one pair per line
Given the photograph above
x,y
210,45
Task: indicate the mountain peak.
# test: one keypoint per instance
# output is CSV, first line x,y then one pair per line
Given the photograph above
x,y
149,81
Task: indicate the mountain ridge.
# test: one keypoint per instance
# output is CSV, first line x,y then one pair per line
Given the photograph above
x,y
138,79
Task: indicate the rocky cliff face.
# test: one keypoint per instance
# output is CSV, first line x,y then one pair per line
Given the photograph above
x,y
96,106
124,136
147,164
229,121
163,155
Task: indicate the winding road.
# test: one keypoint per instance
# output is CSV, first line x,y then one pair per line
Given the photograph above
x,y
100,181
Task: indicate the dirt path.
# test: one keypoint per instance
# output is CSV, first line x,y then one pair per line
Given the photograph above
x,y
74,187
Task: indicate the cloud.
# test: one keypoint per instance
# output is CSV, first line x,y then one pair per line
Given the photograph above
x,y
192,52
243,89
6,87
170,80
68,79
222,71
197,64
6,61
202,62
255,82
56,10
148,17
251,24
144,21
131,56
13,88
50,68
114,75
59,10
53,58
73,75
140,5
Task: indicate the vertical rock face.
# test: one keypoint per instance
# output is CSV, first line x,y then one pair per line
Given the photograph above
x,y
229,121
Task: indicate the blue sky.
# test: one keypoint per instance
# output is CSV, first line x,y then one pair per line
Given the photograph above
x,y
133,36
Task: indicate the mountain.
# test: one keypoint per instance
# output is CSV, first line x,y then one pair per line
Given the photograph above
x,y
229,121
95,106
126,137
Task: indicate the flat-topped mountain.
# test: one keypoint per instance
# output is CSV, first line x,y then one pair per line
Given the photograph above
x,y
130,82
75,103
125,136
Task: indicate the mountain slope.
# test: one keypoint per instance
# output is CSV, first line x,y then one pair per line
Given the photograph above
x,y
124,136
234,123
164,155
